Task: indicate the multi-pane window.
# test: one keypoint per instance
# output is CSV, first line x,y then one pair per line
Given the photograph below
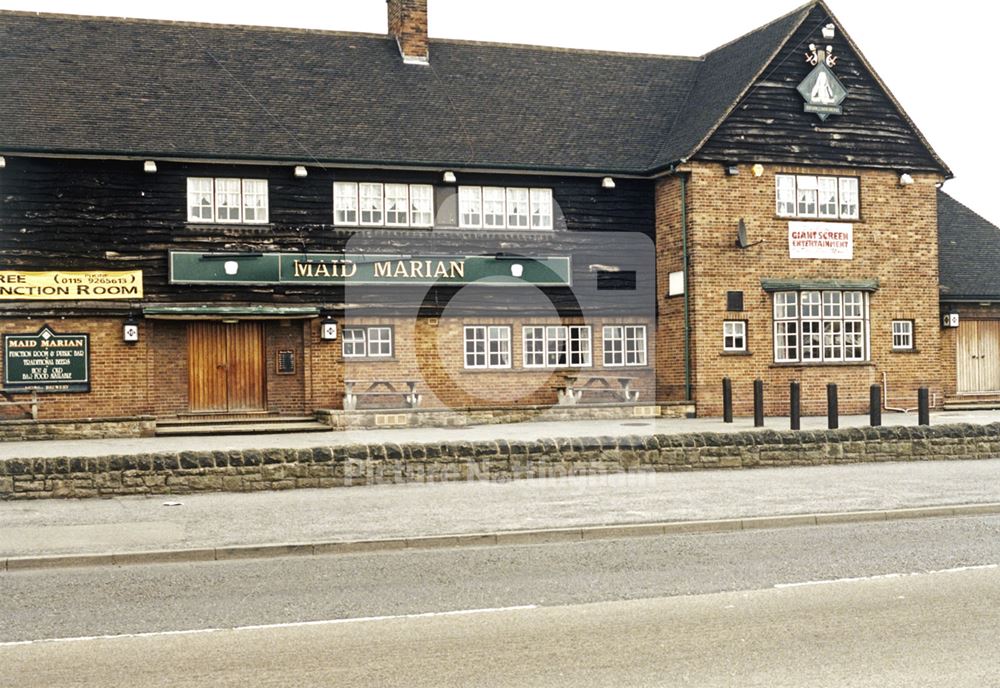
x,y
345,203
555,346
367,342
624,345
397,205
541,208
820,326
902,335
497,207
372,203
487,346
827,198
421,205
734,335
224,199
390,205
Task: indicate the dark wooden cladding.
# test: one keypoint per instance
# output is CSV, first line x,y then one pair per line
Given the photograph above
x,y
91,214
769,125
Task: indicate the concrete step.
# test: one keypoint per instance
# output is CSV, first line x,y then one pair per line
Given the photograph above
x,y
243,428
971,405
225,419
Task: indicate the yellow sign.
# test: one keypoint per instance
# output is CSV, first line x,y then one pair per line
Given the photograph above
x,y
68,286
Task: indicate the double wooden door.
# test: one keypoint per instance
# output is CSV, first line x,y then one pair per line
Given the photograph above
x,y
226,366
978,356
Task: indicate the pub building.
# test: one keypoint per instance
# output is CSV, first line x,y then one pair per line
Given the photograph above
x,y
206,224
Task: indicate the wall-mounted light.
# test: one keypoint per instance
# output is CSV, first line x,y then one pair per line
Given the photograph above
x,y
732,169
130,329
149,167
328,328
448,177
757,170
3,162
829,31
301,171
607,183
516,269
905,179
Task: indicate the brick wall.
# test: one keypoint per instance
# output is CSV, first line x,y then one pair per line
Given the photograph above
x,y
118,371
895,242
431,351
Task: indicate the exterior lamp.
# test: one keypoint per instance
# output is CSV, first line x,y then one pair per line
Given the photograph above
x,y
301,171
149,167
905,179
130,330
607,183
732,169
829,31
3,162
757,169
328,328
449,177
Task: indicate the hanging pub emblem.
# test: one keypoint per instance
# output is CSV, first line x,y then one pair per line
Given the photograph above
x,y
822,90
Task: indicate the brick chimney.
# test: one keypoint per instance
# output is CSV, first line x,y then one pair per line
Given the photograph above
x,y
408,25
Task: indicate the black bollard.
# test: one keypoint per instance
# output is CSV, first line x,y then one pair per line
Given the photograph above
x,y
832,417
923,406
758,403
795,405
875,406
727,400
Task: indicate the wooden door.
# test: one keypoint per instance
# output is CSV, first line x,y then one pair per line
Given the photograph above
x,y
226,366
978,356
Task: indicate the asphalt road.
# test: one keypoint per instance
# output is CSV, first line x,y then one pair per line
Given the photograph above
x,y
682,610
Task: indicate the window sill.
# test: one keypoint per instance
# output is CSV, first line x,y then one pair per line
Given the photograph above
x,y
369,359
234,225
905,351
786,218
823,364
736,353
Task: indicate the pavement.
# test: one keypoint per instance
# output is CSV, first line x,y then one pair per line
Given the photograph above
x,y
536,430
216,526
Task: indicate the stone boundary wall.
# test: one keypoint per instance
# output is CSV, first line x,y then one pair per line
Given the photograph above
x,y
77,429
368,464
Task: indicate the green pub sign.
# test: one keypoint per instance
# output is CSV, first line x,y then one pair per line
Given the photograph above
x,y
46,362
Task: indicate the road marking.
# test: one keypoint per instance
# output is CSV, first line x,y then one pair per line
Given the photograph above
x,y
261,627
885,576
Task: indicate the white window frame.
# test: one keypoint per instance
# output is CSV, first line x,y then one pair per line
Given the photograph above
x,y
803,195
353,337
366,341
470,207
345,202
518,208
902,335
201,199
396,205
556,346
490,345
494,207
375,197
238,197
540,202
734,335
624,346
421,205
821,326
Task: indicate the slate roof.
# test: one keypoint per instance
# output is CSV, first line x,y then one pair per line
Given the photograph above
x,y
968,253
157,89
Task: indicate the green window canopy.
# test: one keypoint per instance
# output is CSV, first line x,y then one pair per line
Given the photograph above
x,y
772,285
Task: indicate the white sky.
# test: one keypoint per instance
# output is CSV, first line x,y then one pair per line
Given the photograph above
x,y
938,58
